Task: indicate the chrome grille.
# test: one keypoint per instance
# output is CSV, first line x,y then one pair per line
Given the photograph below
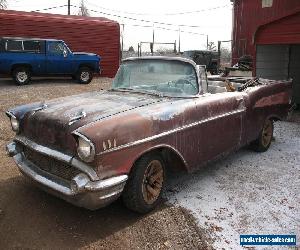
x,y
51,165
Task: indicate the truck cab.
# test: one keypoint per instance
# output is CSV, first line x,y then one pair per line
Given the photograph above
x,y
204,57
25,57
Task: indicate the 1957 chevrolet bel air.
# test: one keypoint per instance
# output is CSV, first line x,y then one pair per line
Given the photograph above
x,y
160,114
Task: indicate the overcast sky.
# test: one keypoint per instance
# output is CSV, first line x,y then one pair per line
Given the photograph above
x,y
213,18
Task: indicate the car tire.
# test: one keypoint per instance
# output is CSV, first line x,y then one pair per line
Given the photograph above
x,y
21,75
263,142
144,188
84,75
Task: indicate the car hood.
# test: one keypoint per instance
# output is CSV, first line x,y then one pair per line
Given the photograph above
x,y
52,126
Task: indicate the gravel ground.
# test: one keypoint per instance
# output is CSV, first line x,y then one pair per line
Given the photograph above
x,y
32,219
247,192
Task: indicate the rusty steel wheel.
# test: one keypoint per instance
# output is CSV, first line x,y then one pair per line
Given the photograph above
x,y
152,182
264,140
145,184
267,133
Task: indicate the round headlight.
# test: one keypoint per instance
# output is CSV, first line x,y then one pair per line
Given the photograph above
x,y
85,150
14,124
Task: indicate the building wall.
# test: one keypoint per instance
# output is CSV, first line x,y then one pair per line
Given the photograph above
x,y
82,34
249,15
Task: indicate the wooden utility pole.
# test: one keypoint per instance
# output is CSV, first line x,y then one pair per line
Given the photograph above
x,y
207,42
122,40
179,40
153,39
69,7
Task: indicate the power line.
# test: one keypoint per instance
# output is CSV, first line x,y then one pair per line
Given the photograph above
x,y
124,17
50,8
163,28
196,11
151,14
141,20
137,25
182,31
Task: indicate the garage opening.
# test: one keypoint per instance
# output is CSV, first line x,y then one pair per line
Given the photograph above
x,y
278,51
280,62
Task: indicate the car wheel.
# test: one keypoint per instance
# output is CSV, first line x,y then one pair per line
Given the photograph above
x,y
263,142
84,75
144,188
21,75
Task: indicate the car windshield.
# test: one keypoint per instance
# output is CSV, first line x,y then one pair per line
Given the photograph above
x,y
156,76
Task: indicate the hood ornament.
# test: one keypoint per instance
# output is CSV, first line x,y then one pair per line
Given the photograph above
x,y
42,107
74,119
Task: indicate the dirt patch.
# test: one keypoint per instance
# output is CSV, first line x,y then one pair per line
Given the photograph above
x,y
32,219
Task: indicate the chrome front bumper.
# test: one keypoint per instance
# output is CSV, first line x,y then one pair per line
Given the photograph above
x,y
81,191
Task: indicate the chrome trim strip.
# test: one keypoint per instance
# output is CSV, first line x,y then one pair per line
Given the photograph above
x,y
111,195
151,138
166,58
43,150
107,183
10,114
58,156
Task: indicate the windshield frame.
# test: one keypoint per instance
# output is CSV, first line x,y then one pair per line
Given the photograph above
x,y
164,58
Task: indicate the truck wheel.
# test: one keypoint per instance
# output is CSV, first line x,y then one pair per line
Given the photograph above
x,y
21,75
145,185
84,75
263,142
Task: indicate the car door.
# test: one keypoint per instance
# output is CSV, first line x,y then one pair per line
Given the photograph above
x,y
214,125
34,51
58,60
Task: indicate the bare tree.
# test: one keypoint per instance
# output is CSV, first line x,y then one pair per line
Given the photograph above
x,y
211,46
83,10
3,4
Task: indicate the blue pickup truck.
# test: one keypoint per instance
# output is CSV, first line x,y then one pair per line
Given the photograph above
x,y
25,57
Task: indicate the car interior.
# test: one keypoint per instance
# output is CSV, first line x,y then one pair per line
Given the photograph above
x,y
215,86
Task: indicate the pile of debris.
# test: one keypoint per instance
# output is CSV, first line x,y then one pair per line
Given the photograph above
x,y
243,67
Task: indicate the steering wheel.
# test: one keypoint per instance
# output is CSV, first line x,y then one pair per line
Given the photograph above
x,y
183,82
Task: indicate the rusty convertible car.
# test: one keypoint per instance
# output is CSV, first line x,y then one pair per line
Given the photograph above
x,y
160,114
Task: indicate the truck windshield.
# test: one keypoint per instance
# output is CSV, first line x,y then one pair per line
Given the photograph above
x,y
156,76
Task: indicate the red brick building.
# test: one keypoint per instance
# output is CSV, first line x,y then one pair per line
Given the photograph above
x,y
269,31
